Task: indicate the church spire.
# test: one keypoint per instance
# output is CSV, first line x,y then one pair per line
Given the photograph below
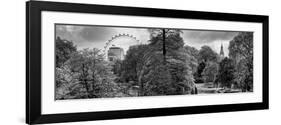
x,y
221,52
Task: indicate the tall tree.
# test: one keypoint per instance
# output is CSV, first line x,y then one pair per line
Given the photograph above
x,y
94,73
207,54
241,51
207,59
161,35
162,67
198,74
65,82
147,61
138,61
192,51
226,74
209,73
156,77
241,46
64,49
194,55
179,64
131,61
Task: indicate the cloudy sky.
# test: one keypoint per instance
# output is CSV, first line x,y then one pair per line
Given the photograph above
x,y
97,36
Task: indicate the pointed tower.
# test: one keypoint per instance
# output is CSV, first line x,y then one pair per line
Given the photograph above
x,y
221,53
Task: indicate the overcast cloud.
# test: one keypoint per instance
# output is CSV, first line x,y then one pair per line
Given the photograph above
x,y
97,36
214,39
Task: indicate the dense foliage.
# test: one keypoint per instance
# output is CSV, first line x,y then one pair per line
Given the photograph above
x,y
206,54
64,49
164,66
210,71
226,72
90,75
241,51
158,74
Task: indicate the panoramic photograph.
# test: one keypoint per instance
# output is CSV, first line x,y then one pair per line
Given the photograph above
x,y
94,61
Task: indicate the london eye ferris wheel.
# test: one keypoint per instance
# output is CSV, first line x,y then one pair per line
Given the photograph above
x,y
122,41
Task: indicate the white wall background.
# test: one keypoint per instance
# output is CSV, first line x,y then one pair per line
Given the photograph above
x,y
12,71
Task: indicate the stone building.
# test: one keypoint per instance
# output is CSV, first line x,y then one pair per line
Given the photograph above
x,y
115,53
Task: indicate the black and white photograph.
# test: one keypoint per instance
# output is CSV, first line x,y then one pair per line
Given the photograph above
x,y
89,62
94,61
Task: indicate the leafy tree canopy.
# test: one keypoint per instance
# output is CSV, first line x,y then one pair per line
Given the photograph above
x,y
207,54
64,49
241,45
241,51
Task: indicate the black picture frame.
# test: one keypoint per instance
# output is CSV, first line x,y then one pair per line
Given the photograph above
x,y
33,61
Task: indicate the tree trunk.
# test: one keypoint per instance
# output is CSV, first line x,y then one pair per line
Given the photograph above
x,y
141,92
164,46
85,81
